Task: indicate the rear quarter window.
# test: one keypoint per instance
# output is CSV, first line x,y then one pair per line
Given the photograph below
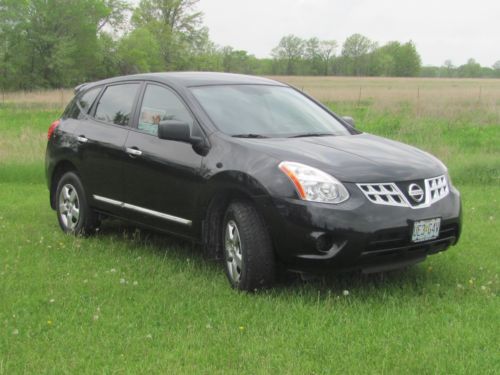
x,y
81,103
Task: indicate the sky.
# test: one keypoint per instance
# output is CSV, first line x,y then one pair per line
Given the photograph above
x,y
441,29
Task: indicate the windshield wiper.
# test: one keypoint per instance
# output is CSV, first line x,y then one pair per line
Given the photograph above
x,y
249,135
311,135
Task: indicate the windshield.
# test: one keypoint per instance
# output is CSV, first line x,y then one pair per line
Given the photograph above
x,y
258,111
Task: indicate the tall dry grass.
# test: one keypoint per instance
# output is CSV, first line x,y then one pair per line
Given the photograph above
x,y
428,97
49,99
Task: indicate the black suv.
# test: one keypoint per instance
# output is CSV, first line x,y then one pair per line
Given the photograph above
x,y
256,171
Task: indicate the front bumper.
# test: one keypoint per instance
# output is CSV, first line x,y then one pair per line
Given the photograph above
x,y
357,234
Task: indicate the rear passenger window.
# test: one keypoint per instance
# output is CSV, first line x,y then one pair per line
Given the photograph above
x,y
115,105
160,104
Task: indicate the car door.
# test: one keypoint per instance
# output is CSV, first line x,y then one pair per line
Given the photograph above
x,y
162,177
101,137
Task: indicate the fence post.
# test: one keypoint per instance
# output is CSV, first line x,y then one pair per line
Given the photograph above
x,y
418,101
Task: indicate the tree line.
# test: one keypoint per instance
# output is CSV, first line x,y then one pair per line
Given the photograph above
x,y
60,43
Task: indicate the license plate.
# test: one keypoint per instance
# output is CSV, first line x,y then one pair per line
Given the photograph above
x,y
425,230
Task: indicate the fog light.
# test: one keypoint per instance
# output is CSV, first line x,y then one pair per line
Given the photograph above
x,y
324,242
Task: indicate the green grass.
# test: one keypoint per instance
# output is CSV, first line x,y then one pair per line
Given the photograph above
x,y
128,300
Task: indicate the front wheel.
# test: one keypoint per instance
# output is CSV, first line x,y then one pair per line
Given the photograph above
x,y
248,253
73,212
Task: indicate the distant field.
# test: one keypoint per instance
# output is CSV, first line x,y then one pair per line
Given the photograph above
x,y
128,300
448,98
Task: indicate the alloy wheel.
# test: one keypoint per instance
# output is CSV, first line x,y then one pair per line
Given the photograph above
x,y
69,206
232,246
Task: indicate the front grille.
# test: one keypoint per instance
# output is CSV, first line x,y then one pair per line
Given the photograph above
x,y
436,188
390,194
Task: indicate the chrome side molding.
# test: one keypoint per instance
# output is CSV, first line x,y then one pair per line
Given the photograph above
x,y
143,210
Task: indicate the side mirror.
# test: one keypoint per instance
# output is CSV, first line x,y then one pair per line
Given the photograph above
x,y
349,120
175,130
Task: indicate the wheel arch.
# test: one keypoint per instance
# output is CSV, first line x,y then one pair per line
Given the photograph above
x,y
60,169
220,191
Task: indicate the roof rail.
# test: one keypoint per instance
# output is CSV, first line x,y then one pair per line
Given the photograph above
x,y
79,87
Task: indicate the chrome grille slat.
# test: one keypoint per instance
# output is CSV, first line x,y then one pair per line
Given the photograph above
x,y
437,188
384,193
389,194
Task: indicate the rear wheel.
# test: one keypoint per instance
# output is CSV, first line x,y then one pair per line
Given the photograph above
x,y
73,212
248,253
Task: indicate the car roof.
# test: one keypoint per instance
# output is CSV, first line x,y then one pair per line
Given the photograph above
x,y
190,79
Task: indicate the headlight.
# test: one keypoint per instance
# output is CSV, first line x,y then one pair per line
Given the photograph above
x,y
314,185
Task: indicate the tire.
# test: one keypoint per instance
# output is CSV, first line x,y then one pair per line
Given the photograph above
x,y
73,212
248,253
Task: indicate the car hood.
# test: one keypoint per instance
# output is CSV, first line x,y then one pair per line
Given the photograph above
x,y
354,158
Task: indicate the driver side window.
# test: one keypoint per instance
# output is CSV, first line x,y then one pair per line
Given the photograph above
x,y
160,104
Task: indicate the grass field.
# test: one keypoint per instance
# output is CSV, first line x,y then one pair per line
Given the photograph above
x,y
129,301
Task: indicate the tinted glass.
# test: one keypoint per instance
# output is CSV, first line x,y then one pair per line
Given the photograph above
x,y
160,104
115,105
72,110
265,110
86,100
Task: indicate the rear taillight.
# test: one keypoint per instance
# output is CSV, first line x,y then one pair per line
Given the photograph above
x,y
52,127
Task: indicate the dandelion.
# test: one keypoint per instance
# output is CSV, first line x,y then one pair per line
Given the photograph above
x,y
460,286
149,336
49,322
345,292
483,287
112,270
208,326
135,283
242,328
85,281
429,269
52,300
122,281
471,281
15,332
95,317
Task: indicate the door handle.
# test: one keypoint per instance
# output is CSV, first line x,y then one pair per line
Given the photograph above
x,y
82,139
133,151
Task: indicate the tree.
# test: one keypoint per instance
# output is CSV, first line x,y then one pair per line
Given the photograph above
x,y
472,69
290,50
407,62
355,52
54,43
237,61
496,69
326,53
175,24
448,68
312,57
139,52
